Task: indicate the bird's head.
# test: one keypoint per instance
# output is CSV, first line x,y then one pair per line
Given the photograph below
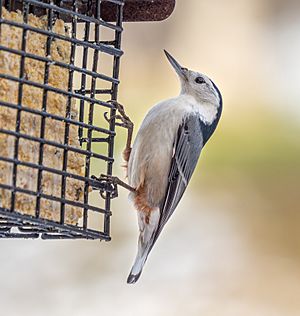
x,y
197,85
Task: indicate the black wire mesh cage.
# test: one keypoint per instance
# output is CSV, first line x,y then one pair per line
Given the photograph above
x,y
59,67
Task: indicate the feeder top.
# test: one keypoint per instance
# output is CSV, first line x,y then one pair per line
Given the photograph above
x,y
133,11
140,10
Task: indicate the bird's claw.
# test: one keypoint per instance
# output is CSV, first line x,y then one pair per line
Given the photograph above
x,y
122,116
106,117
118,106
106,183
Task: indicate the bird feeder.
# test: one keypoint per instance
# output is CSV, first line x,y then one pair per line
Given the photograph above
x,y
54,94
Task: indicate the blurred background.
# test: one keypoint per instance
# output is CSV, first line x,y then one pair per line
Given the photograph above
x,y
233,245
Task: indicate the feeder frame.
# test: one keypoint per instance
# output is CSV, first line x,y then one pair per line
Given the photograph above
x,y
96,16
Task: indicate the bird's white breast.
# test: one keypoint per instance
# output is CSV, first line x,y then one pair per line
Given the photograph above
x,y
153,146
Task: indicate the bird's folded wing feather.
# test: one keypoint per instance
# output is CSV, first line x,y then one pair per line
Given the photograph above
x,y
187,148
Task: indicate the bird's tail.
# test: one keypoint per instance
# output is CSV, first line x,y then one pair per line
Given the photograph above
x,y
148,226
139,262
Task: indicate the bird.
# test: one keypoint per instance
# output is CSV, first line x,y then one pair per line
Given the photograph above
x,y
165,153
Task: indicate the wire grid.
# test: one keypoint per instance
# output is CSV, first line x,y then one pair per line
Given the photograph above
x,y
84,87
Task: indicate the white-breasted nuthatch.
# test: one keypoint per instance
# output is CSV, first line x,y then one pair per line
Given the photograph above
x,y
165,153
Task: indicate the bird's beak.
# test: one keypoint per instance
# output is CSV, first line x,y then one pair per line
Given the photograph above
x,y
181,71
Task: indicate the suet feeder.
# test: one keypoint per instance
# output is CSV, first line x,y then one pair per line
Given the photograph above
x,y
53,96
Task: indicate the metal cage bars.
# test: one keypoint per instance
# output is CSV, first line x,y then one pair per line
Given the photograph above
x,y
35,226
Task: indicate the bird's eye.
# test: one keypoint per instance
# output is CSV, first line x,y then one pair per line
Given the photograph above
x,y
199,80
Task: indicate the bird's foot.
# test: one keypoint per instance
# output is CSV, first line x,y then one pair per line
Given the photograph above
x,y
104,185
110,184
121,119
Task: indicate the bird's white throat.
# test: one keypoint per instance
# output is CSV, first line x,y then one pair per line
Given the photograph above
x,y
207,111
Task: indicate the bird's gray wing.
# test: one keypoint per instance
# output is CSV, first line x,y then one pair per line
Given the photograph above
x,y
187,148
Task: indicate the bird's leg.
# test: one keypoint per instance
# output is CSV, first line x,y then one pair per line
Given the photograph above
x,y
122,120
111,182
116,181
126,123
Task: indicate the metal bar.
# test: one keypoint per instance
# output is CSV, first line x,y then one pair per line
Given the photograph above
x,y
83,76
92,182
95,140
8,4
68,110
60,64
1,4
56,117
63,146
20,94
103,48
54,225
44,109
75,13
18,235
50,88
120,2
55,236
116,69
53,198
90,119
97,91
